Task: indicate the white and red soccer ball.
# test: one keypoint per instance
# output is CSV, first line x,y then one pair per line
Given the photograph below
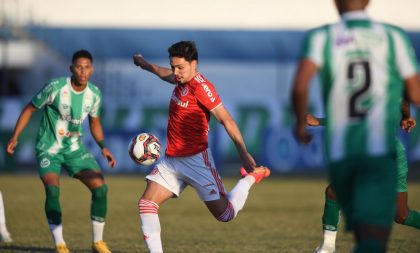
x,y
144,149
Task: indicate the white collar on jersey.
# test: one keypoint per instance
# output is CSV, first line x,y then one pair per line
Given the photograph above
x,y
351,15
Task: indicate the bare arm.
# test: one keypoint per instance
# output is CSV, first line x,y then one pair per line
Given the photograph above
x,y
412,89
163,73
98,134
21,124
306,70
223,117
407,122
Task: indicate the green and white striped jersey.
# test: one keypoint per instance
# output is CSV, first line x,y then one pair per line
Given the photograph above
x,y
362,67
64,112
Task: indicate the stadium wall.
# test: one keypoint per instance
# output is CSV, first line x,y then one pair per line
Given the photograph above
x,y
252,71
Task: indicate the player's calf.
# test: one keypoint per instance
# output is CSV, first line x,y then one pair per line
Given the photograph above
x,y
150,224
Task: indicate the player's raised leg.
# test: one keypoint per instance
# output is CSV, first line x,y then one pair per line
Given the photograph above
x,y
154,196
53,210
94,180
330,220
227,207
4,233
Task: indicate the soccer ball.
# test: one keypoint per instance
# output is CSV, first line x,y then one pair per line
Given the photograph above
x,y
144,149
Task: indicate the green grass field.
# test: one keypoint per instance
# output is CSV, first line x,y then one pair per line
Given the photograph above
x,y
281,215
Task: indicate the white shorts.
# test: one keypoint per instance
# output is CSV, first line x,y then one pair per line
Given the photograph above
x,y
175,173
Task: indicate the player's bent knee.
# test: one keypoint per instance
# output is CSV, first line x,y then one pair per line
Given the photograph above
x,y
227,215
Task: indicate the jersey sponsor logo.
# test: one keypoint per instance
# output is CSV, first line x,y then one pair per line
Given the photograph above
x,y
44,163
72,134
177,101
68,118
65,106
342,41
61,131
208,91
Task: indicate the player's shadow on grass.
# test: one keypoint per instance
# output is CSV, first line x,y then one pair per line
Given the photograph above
x,y
14,248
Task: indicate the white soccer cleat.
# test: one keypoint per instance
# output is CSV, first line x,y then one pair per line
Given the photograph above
x,y
324,250
5,237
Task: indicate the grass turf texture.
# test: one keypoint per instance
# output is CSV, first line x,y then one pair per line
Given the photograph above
x,y
281,215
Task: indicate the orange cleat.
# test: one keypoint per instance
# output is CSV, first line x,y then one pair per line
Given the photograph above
x,y
259,173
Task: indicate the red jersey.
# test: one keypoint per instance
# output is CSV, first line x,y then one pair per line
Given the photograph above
x,y
189,115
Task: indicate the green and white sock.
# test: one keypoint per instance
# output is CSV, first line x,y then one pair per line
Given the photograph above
x,y
330,220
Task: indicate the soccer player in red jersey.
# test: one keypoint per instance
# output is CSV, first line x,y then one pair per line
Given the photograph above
x,y
188,160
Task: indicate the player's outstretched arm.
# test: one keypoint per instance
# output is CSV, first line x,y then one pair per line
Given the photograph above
x,y
223,116
163,73
22,122
98,134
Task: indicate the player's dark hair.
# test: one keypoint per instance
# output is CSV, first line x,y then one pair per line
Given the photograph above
x,y
82,54
184,49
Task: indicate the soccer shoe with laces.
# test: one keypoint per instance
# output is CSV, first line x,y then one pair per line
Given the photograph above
x,y
61,248
259,173
100,247
324,250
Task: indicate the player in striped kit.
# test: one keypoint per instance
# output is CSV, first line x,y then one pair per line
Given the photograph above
x,y
188,160
365,68
404,215
66,102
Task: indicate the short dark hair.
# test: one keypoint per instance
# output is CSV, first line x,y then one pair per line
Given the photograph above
x,y
82,54
184,49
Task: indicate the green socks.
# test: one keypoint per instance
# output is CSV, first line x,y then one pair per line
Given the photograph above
x,y
99,203
52,204
413,219
53,209
331,215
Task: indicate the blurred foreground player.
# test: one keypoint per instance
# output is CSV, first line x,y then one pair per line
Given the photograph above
x,y
404,215
365,68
